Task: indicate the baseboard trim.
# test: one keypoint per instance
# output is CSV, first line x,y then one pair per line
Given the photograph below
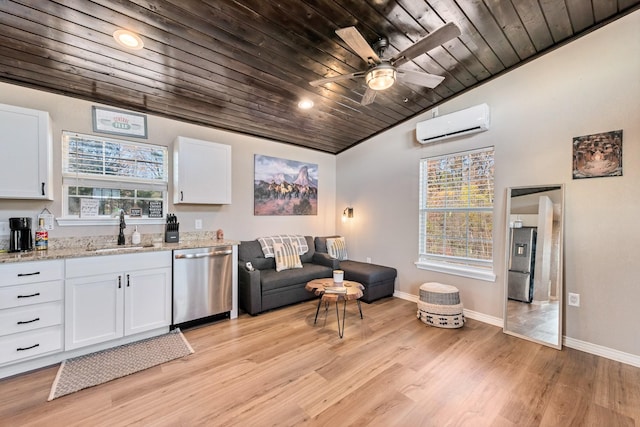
x,y
406,296
587,347
606,352
485,318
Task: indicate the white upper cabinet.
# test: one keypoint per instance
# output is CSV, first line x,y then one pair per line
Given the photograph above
x,y
26,146
201,172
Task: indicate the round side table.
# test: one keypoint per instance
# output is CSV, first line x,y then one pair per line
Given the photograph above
x,y
324,288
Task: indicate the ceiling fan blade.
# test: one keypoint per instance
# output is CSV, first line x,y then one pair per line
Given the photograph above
x,y
434,39
419,78
320,82
358,44
368,97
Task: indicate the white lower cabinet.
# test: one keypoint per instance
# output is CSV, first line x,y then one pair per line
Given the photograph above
x,y
30,310
109,297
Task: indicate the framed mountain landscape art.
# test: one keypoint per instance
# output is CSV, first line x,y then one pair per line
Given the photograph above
x,y
284,187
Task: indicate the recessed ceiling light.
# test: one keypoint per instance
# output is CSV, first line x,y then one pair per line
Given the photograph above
x,y
305,104
128,40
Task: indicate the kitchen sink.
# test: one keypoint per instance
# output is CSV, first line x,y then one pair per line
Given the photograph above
x,y
119,249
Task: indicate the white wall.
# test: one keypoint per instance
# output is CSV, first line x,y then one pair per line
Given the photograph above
x,y
237,220
586,87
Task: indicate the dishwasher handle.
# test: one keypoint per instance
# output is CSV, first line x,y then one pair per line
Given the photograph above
x,y
204,254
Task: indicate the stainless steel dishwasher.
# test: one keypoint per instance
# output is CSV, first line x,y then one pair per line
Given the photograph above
x,y
202,283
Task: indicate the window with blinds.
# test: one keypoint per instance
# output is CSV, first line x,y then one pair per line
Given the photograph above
x,y
120,174
456,209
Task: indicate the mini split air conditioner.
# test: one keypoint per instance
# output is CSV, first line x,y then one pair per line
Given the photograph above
x,y
463,122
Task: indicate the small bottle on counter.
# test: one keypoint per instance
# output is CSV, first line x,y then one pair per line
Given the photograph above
x,y
42,236
135,237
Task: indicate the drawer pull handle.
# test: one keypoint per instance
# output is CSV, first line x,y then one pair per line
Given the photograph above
x,y
24,322
27,348
28,274
128,284
29,296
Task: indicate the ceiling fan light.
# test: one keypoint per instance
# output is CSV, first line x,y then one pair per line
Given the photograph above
x,y
380,78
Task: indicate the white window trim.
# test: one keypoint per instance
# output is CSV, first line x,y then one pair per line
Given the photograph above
x,y
457,270
469,271
104,220
75,221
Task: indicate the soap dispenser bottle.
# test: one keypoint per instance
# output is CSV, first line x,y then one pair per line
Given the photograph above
x,y
135,237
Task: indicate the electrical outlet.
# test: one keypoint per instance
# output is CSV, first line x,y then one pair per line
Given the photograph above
x,y
198,224
4,228
369,260
574,299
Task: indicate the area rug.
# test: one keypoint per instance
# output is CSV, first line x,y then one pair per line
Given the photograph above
x,y
106,365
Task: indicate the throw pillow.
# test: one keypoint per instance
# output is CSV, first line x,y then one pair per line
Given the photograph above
x,y
286,255
337,248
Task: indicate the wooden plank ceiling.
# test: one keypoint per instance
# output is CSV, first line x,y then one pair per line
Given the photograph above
x,y
244,65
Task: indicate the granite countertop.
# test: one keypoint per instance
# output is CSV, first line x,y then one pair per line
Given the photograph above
x,y
79,252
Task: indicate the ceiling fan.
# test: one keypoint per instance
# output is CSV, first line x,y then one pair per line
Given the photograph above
x,y
383,72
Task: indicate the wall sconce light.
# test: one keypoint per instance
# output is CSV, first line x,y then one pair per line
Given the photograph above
x,y
347,213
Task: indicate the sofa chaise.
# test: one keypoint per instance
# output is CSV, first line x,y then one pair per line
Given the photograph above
x,y
378,280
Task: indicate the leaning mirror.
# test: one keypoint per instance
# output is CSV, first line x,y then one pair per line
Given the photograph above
x,y
533,276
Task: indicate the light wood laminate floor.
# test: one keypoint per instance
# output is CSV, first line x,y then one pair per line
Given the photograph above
x,y
389,370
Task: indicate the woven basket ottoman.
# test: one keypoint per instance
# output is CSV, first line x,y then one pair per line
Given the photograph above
x,y
440,305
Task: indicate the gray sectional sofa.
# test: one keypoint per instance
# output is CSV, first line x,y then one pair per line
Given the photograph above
x,y
263,288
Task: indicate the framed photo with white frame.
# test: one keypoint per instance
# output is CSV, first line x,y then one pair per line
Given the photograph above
x,y
118,122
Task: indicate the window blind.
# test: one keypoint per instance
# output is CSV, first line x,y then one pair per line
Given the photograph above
x,y
93,161
456,207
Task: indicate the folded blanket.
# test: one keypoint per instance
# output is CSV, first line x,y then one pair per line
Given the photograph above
x,y
267,243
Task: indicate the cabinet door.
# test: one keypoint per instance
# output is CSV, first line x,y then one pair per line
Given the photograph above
x,y
26,145
93,310
202,172
147,302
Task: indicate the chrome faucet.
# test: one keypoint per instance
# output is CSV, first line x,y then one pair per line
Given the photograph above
x,y
123,225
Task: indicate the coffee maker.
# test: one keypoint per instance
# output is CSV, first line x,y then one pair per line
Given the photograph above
x,y
21,236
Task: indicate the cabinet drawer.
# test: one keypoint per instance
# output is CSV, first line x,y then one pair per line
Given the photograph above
x,y
34,293
29,344
31,272
30,317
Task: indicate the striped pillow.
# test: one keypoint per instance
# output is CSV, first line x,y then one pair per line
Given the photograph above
x,y
337,248
286,255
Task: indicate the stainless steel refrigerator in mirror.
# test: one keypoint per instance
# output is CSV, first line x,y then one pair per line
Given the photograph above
x,y
522,263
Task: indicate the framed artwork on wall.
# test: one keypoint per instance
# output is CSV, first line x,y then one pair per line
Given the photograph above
x,y
117,122
284,187
597,155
